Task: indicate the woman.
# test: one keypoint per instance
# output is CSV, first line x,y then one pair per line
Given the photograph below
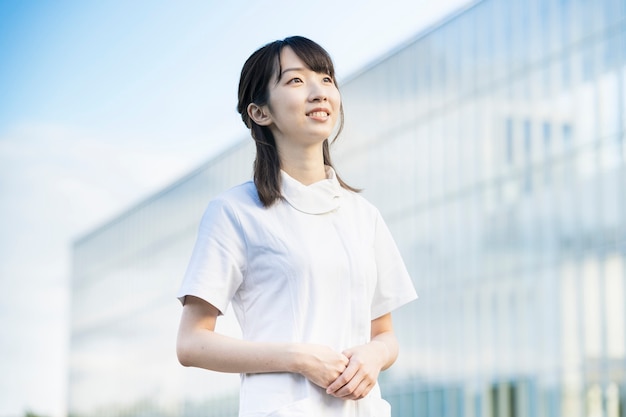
x,y
309,265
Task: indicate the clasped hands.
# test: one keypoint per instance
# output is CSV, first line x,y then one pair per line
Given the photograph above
x,y
350,374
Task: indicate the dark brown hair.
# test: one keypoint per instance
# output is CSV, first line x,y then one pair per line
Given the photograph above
x,y
256,75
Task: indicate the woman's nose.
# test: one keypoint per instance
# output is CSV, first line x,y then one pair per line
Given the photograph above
x,y
318,92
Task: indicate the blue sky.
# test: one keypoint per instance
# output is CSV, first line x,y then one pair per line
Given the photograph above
x,y
104,103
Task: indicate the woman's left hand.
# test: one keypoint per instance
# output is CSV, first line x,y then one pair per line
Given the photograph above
x,y
361,374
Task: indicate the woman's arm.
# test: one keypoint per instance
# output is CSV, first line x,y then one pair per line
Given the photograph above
x,y
199,346
366,361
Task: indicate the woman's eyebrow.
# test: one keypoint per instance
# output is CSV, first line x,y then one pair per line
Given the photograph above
x,y
291,69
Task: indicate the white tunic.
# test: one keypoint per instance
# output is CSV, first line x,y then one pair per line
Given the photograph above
x,y
315,267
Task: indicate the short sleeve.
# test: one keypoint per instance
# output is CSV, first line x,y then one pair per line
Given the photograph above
x,y
394,287
217,263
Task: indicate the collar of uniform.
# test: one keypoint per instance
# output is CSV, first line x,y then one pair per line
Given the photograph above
x,y
318,198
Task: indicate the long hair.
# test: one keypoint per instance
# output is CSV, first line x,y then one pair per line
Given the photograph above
x,y
256,74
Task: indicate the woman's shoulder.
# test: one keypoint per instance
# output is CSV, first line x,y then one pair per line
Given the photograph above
x,y
239,196
359,202
229,206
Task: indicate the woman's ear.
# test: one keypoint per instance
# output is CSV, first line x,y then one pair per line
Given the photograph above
x,y
259,114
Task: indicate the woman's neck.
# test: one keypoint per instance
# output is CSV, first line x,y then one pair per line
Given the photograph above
x,y
306,166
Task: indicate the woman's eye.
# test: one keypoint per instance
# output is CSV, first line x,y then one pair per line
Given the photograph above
x,y
328,80
295,80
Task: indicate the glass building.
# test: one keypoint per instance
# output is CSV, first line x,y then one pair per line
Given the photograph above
x,y
494,146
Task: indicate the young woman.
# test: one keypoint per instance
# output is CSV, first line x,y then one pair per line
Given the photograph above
x,y
309,266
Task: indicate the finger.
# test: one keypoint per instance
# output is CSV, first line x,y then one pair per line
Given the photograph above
x,y
355,387
362,390
341,367
345,359
342,379
349,389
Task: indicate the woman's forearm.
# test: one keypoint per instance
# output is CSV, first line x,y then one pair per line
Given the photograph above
x,y
203,348
382,332
389,345
209,350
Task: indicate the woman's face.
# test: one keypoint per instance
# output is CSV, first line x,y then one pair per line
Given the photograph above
x,y
303,106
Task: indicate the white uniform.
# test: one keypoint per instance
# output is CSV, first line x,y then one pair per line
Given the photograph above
x,y
315,267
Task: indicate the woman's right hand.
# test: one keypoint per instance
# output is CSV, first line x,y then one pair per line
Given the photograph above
x,y
320,364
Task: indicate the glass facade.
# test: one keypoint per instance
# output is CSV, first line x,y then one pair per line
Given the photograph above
x,y
494,146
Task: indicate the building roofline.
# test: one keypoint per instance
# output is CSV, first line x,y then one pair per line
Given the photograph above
x,y
420,34
153,196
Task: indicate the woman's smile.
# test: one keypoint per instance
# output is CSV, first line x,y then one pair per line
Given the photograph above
x,y
319,114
